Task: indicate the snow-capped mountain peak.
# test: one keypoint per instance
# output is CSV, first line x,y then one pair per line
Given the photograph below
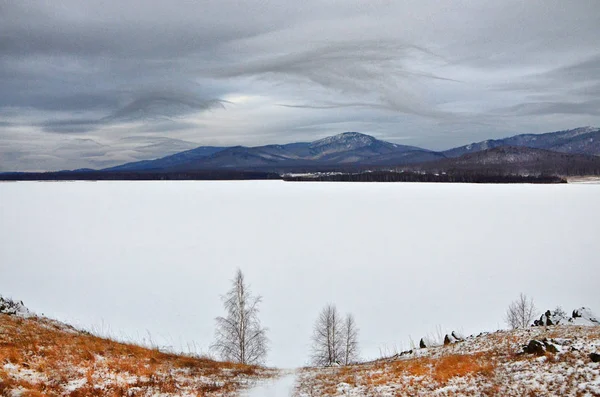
x,y
346,140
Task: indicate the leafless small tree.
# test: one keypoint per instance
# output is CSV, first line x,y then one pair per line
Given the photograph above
x,y
327,339
239,336
521,312
350,340
559,311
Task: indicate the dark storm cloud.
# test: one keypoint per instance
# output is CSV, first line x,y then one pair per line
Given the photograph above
x,y
362,68
69,126
589,91
192,72
575,90
129,30
551,108
151,107
579,71
163,105
586,71
334,106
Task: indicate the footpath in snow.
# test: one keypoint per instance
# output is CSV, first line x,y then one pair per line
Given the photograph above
x,y
278,387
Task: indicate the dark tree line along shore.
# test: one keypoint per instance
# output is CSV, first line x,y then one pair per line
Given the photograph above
x,y
383,176
138,176
365,176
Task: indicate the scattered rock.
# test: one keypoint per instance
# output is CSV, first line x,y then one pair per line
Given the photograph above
x,y
540,348
550,346
595,357
577,313
453,337
449,339
535,347
426,342
404,353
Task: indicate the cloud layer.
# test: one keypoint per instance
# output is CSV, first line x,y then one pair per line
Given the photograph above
x,y
98,83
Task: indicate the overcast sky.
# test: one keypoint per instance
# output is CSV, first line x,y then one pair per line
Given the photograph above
x,y
98,83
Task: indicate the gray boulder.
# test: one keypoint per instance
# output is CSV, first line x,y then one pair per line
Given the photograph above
x,y
535,347
540,347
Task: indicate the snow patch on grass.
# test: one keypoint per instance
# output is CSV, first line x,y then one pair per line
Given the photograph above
x,y
487,364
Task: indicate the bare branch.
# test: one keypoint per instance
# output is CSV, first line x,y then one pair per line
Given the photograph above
x,y
334,341
350,339
239,336
521,312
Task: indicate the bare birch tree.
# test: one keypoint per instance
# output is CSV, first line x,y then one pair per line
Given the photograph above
x,y
350,340
327,339
521,312
239,336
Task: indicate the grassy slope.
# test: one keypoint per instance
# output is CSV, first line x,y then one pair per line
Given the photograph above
x,y
486,365
42,357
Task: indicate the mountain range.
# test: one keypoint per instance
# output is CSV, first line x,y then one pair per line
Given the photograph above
x,y
577,148
348,148
516,160
583,140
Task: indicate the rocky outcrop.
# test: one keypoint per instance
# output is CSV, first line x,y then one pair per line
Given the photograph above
x,y
14,308
584,316
556,317
581,316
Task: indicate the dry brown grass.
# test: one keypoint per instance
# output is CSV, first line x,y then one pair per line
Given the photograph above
x,y
450,366
56,355
400,377
439,370
491,364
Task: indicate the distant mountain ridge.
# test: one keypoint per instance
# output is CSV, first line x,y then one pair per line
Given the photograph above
x,y
582,140
343,149
168,161
519,160
356,151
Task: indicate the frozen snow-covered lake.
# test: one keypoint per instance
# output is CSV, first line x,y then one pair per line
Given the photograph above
x,y
151,258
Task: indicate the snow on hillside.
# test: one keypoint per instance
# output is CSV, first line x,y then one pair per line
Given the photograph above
x,y
575,141
344,141
496,364
43,357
